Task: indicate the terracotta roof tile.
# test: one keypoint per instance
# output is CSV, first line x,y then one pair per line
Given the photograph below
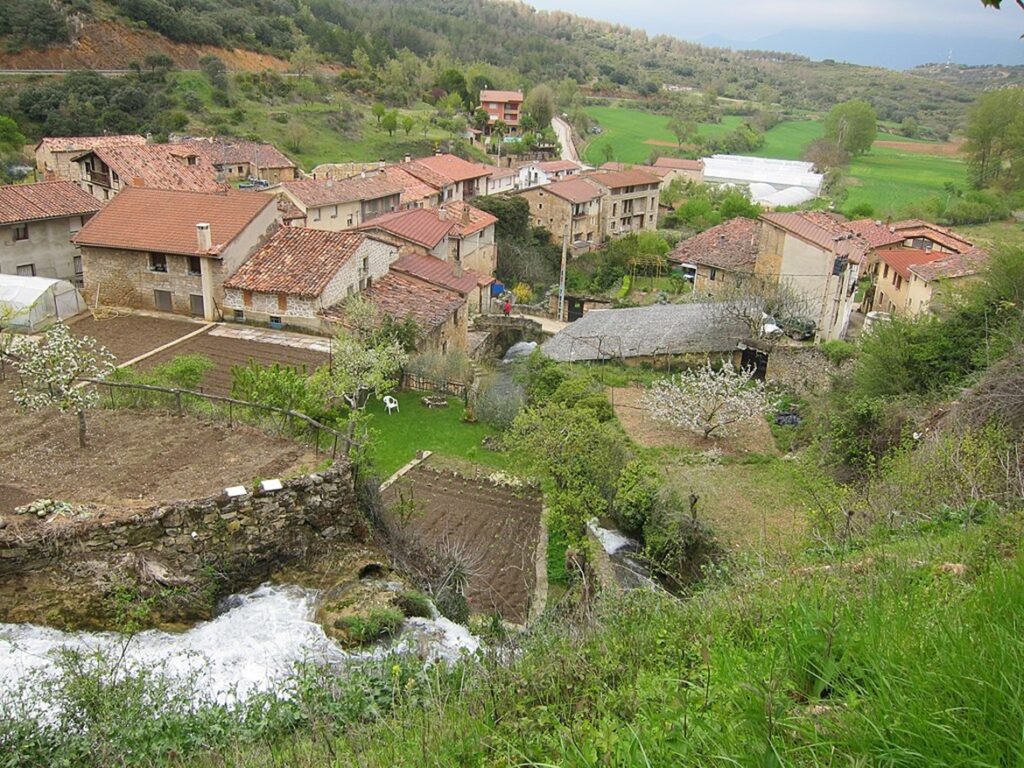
x,y
44,200
164,221
821,230
902,259
629,178
502,96
438,272
733,246
296,261
450,168
557,166
85,143
156,166
468,219
952,265
574,190
421,226
877,234
401,297
236,151
314,193
288,210
947,238
679,164
413,190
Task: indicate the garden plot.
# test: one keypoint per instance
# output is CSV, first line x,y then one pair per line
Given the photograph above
x,y
496,527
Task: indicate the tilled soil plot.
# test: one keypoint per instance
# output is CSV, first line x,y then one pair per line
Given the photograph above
x,y
497,527
128,336
227,352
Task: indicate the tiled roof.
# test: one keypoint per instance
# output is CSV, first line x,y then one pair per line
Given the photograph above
x,y
732,246
902,259
441,273
314,193
468,219
288,210
501,95
679,164
557,166
156,166
235,151
421,226
952,265
618,179
85,143
877,234
499,173
401,297
164,221
947,238
448,167
574,190
296,261
45,200
413,190
613,165
821,230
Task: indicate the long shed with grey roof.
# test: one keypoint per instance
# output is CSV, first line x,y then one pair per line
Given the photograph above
x,y
647,333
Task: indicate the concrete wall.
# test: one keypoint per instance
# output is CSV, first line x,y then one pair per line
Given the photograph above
x,y
205,548
48,248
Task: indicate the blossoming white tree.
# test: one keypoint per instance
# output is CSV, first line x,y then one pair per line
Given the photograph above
x,y
707,400
53,370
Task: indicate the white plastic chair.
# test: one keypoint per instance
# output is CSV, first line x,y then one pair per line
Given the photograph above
x,y
390,403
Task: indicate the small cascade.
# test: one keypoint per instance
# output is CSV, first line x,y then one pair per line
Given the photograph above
x,y
519,349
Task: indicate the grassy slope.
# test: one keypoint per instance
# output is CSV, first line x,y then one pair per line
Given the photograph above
x,y
886,179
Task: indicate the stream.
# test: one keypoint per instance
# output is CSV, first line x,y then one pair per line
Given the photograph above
x,y
622,551
253,646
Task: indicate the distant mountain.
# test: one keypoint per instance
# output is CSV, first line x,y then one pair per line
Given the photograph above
x,y
880,49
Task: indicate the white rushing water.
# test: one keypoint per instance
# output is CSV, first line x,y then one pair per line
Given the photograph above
x,y
251,647
520,349
612,541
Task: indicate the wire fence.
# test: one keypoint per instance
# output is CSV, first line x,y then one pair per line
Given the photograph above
x,y
278,421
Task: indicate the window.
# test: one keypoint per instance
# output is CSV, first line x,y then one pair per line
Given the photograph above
x,y
899,282
275,320
195,265
334,215
157,262
886,272
351,290
77,262
615,209
282,302
366,263
350,218
247,299
455,317
74,224
26,270
163,300
239,315
712,273
316,214
20,232
196,305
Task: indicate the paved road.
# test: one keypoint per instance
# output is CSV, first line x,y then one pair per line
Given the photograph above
x,y
564,132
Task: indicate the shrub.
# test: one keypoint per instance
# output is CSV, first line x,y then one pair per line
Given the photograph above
x,y
378,624
414,604
838,352
182,372
635,495
454,366
497,400
676,544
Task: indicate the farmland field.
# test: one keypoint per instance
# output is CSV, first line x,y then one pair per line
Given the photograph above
x,y
892,176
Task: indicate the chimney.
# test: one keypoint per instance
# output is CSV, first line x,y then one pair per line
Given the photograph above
x,y
442,214
204,237
407,158
465,216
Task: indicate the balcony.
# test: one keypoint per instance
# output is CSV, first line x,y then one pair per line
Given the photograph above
x,y
95,177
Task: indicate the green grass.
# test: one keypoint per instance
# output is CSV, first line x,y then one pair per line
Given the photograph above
x,y
787,140
995,235
397,437
889,180
626,131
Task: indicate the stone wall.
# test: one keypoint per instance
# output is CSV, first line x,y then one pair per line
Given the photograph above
x,y
184,555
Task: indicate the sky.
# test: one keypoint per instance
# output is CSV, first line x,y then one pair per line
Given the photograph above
x,y
889,32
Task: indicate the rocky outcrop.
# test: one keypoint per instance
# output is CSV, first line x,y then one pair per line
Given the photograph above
x,y
177,559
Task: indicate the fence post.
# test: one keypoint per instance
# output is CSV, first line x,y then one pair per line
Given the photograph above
x,y
177,396
110,389
334,450
230,414
316,439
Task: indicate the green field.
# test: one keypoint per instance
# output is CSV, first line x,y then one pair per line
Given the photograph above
x,y
886,179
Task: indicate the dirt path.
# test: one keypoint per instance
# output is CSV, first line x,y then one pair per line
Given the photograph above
x,y
946,149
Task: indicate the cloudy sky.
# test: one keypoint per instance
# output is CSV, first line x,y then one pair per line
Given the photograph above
x,y
951,24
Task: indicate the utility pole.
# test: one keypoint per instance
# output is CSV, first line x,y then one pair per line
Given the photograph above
x,y
561,277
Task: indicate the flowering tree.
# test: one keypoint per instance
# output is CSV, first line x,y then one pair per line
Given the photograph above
x,y
707,400
53,370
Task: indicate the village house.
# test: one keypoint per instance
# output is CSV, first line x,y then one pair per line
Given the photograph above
x,y
104,171
538,173
681,168
453,177
239,160
500,180
336,204
631,202
36,225
170,250
473,286
415,193
910,281
721,257
573,205
820,258
54,154
503,106
297,274
441,315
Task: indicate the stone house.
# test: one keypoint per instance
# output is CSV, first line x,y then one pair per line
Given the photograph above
x,y
631,202
235,159
105,171
820,258
336,204
36,225
681,168
506,106
171,251
574,204
719,257
472,286
54,154
297,274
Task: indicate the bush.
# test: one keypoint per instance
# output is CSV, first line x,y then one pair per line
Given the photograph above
x,y
415,604
378,624
635,496
455,366
838,352
676,544
497,400
182,372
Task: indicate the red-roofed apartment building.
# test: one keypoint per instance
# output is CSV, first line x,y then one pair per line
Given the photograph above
x,y
631,202
171,251
573,203
36,225
506,106
297,274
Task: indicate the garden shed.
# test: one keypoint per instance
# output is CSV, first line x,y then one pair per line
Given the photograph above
x,y
31,303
